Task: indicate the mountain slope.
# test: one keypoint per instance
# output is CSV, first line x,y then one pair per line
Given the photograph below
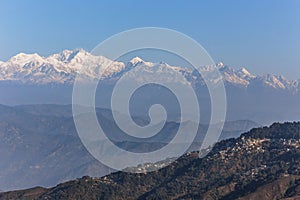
x,y
43,150
261,164
39,145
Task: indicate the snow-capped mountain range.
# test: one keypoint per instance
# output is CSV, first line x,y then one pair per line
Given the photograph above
x,y
33,79
63,67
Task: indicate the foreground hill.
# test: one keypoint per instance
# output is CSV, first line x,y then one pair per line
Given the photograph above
x,y
263,163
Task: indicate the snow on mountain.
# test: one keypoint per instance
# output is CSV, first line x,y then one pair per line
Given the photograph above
x,y
33,68
57,68
273,81
220,64
146,71
244,73
232,77
64,66
65,56
136,60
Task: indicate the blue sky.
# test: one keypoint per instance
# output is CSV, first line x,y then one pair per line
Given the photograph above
x,y
262,35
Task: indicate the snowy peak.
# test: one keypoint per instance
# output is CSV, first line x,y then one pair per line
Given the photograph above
x,y
220,64
67,56
57,68
136,60
274,82
22,58
244,72
243,78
